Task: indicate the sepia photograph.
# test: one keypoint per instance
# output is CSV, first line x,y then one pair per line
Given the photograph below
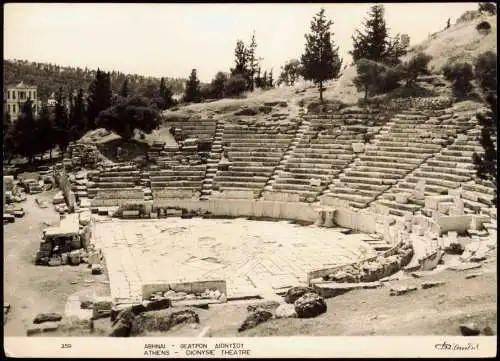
x,y
250,180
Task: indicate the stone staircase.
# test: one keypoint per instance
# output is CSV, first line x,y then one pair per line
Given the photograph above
x,y
301,131
323,151
401,146
252,151
213,161
448,169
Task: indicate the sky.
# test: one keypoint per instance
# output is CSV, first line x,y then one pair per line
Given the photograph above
x,y
171,39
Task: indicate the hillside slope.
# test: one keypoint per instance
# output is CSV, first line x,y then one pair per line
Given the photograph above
x,y
461,41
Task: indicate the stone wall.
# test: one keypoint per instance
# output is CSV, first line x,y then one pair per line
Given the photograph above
x,y
243,208
130,193
360,221
460,223
431,103
384,270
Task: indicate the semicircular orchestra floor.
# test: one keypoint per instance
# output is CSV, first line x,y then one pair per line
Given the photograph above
x,y
254,257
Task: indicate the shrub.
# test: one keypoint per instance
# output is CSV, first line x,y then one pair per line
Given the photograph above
x,y
235,85
485,71
468,16
206,91
414,67
460,75
376,78
389,80
487,7
483,27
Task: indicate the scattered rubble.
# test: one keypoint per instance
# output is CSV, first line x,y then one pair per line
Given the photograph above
x,y
473,275
294,293
47,317
431,284
286,310
401,290
310,305
42,328
469,329
265,305
255,318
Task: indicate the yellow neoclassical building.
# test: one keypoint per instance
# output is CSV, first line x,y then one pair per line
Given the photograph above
x,y
16,95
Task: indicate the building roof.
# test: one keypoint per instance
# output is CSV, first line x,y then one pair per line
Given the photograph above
x,y
21,85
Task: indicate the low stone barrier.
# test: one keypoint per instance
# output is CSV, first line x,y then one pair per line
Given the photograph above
x,y
149,289
243,208
388,267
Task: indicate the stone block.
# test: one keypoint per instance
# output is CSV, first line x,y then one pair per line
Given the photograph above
x,y
97,269
432,284
42,328
358,147
47,317
401,290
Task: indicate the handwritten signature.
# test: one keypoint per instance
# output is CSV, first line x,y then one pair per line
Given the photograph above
x,y
445,346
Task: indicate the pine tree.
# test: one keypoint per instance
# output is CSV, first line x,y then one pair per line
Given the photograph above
x,y
45,130
61,123
192,92
218,84
263,80
320,60
241,59
486,164
124,92
78,116
252,63
8,138
25,141
270,82
99,97
372,44
258,79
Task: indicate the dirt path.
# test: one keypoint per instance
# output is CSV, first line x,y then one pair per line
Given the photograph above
x,y
32,289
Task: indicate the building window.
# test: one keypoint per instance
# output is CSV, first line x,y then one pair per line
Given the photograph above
x,y
29,94
13,108
13,94
8,94
22,95
34,95
8,107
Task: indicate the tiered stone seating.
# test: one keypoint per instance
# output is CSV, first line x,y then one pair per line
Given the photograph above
x,y
400,147
478,195
448,169
178,174
321,154
115,185
194,127
251,153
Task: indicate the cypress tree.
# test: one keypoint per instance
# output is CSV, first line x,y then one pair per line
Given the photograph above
x,y
320,60
192,92
99,97
373,42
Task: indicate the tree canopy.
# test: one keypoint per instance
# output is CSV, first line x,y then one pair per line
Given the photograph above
x,y
130,114
320,60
